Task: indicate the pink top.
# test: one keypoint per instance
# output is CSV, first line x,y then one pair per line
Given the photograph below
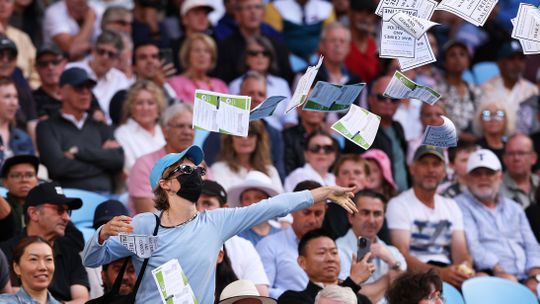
x,y
138,180
185,87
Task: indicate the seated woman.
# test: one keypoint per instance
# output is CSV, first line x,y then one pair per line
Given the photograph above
x,y
259,56
239,155
493,123
139,132
320,153
192,238
33,262
199,56
13,141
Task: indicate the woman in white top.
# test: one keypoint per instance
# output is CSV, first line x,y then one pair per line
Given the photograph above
x,y
320,153
239,155
139,132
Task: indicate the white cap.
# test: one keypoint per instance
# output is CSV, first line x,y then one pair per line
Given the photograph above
x,y
253,180
189,4
483,158
242,289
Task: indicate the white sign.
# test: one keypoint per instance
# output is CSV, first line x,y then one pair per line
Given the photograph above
x,y
401,87
141,245
359,126
473,11
444,135
303,86
172,284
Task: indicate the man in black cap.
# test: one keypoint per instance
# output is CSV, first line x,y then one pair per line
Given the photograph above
x,y
46,213
78,151
50,63
510,87
19,176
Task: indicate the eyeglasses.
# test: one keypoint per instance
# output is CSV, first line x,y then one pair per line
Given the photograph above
x,y
381,98
186,170
46,63
21,175
252,53
121,22
497,115
327,149
517,153
60,209
9,54
103,52
435,296
179,126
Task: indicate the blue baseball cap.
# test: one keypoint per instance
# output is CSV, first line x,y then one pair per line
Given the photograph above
x,y
193,152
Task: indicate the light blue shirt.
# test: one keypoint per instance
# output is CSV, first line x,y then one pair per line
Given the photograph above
x,y
347,245
195,244
501,235
22,297
279,253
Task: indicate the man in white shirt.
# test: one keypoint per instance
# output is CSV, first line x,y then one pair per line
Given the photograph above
x,y
100,66
426,227
387,259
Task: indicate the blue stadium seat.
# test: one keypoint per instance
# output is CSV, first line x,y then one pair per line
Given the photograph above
x,y
87,233
452,295
494,290
3,191
84,216
484,71
468,77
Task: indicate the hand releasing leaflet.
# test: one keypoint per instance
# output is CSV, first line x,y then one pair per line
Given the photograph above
x,y
473,11
402,87
142,245
173,284
359,126
415,26
303,86
265,108
329,97
222,113
529,47
444,135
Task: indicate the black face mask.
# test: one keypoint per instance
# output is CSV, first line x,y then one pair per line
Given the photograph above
x,y
190,186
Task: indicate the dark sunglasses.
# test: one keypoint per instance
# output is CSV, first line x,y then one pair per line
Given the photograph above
x,y
186,169
381,98
103,52
252,53
46,63
327,149
60,209
497,115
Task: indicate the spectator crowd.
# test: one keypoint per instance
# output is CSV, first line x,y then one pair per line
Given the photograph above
x,y
95,94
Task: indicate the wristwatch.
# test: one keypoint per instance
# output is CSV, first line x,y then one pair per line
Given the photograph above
x,y
396,266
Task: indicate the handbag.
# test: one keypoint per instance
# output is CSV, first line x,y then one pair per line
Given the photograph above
x,y
113,296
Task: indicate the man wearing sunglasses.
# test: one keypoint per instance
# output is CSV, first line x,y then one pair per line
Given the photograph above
x,y
78,151
109,80
47,213
390,136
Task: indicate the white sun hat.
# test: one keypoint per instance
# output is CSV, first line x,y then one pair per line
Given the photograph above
x,y
242,289
254,180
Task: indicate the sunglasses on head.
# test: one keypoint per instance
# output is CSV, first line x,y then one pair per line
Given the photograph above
x,y
497,115
186,169
381,98
60,209
327,149
252,53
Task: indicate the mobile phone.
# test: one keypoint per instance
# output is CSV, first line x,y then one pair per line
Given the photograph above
x,y
166,54
364,246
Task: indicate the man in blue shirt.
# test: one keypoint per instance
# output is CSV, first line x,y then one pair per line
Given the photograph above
x,y
498,233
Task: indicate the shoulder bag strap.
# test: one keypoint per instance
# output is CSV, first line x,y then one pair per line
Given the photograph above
x,y
143,268
118,281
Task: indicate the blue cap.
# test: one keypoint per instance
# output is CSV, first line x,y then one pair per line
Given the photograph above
x,y
193,152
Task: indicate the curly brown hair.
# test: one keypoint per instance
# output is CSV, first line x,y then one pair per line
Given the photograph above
x,y
260,158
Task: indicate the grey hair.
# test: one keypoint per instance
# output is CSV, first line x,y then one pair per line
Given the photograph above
x,y
110,37
335,25
335,292
509,115
252,75
172,111
112,13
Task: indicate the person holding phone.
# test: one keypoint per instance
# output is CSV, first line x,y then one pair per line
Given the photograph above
x,y
362,238
192,238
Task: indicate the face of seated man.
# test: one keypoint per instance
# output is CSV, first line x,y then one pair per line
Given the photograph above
x,y
109,275
320,260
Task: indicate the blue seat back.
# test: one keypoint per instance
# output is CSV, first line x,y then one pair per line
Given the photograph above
x,y
3,191
84,216
494,290
484,71
452,295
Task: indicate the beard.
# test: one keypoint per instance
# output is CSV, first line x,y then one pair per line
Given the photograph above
x,y
484,193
